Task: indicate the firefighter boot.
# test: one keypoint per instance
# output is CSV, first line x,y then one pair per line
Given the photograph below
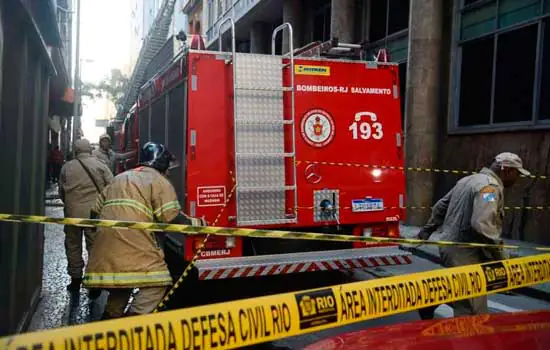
x,y
94,293
74,286
427,313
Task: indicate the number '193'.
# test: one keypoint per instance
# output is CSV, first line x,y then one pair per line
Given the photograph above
x,y
366,129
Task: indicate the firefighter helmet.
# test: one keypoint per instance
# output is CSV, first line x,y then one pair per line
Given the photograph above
x,y
156,156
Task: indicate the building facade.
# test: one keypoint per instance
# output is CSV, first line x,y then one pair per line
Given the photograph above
x,y
34,86
475,81
61,125
193,10
143,14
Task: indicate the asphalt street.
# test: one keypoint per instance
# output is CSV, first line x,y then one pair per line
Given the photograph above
x,y
58,308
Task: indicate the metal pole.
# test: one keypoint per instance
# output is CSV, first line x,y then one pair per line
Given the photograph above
x,y
76,98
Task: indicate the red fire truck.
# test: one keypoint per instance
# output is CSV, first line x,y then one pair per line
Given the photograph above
x,y
285,142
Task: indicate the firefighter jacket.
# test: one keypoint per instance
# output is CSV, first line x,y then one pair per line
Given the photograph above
x,y
472,211
128,258
108,157
76,188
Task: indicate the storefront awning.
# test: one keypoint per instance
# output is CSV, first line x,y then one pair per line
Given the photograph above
x,y
62,105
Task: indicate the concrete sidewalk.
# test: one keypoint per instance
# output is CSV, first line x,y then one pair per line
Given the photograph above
x,y
58,307
431,252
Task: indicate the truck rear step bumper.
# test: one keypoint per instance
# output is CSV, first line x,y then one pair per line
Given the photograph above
x,y
280,264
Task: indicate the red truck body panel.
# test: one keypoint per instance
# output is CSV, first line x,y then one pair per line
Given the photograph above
x,y
347,138
349,80
211,160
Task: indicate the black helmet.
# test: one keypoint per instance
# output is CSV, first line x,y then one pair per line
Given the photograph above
x,y
156,156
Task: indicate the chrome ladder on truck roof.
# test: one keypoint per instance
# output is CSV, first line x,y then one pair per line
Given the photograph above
x,y
262,162
332,48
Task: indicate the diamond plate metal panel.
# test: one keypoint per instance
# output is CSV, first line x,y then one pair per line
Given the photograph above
x,y
260,138
255,172
261,205
259,71
259,105
318,197
259,97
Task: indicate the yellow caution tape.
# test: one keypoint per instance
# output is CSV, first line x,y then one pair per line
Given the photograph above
x,y
425,207
419,169
243,232
247,322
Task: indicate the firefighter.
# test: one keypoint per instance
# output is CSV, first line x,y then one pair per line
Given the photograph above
x,y
106,154
124,259
81,180
472,211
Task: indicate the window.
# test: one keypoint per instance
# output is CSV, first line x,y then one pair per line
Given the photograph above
x,y
498,78
476,82
210,13
144,125
382,24
321,22
126,127
378,16
158,118
486,16
220,9
544,102
198,27
399,16
177,119
515,75
129,137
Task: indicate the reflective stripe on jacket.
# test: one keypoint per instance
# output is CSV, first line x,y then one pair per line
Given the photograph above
x,y
129,278
124,258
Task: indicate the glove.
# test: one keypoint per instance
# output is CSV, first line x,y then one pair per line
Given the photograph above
x,y
198,222
504,254
423,234
493,253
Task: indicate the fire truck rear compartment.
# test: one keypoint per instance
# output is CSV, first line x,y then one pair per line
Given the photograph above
x,y
245,159
252,146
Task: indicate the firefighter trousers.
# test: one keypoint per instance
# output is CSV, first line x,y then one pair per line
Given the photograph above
x,y
455,257
144,301
73,248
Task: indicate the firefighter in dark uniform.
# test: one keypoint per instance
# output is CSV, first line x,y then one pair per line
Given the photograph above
x,y
473,211
124,259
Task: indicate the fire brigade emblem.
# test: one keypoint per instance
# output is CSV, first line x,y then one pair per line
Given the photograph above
x,y
317,128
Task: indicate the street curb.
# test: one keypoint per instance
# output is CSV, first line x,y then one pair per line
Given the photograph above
x,y
526,291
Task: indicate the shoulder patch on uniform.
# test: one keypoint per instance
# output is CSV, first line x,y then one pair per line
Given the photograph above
x,y
488,189
489,197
